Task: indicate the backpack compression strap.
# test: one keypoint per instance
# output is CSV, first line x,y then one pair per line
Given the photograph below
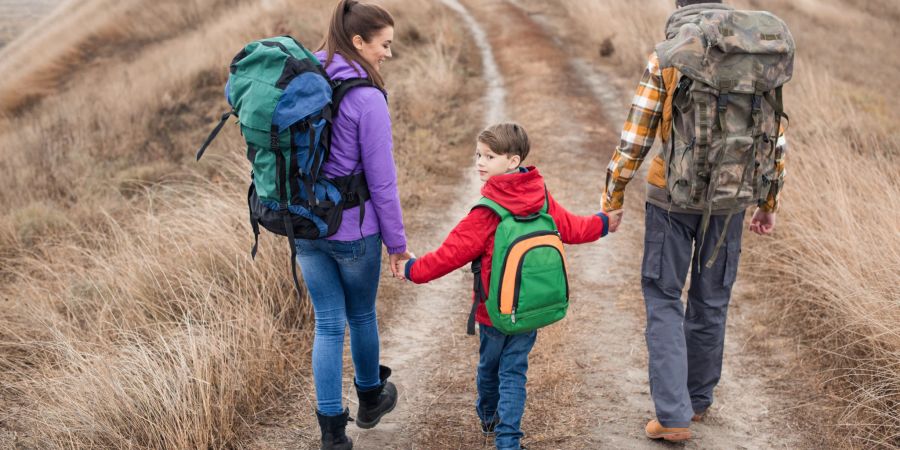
x,y
215,132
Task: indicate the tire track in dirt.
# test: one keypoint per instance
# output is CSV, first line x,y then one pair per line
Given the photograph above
x,y
615,389
587,381
589,384
414,346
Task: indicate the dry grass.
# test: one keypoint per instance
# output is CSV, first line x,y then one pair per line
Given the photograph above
x,y
132,315
831,275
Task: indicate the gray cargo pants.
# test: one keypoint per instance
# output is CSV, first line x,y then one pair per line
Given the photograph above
x,y
685,347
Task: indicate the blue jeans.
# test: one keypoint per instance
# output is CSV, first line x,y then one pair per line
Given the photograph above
x,y
342,280
503,361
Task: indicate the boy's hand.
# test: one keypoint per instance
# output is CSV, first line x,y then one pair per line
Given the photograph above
x,y
762,223
615,218
397,263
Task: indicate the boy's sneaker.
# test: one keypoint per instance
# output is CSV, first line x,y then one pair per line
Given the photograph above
x,y
655,430
487,428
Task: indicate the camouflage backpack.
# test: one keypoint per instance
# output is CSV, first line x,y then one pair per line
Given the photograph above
x,y
727,107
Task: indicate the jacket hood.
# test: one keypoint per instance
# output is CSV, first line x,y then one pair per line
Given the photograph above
x,y
521,193
341,68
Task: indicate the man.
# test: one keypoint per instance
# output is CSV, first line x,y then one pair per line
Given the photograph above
x,y
685,348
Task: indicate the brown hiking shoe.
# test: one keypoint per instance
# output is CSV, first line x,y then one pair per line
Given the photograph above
x,y
655,430
698,417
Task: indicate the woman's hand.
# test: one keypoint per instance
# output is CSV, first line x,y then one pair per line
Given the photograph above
x,y
397,260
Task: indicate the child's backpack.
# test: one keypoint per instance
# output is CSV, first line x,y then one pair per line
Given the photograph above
x,y
529,287
285,103
727,107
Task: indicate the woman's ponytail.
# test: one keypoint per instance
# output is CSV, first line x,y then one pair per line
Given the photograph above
x,y
351,18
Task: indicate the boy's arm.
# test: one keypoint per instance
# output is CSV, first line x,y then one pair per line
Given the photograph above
x,y
637,135
575,229
464,243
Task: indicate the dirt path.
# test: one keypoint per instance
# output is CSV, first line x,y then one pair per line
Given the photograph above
x,y
587,381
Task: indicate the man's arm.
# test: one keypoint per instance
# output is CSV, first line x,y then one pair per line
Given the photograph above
x,y
763,220
637,135
771,203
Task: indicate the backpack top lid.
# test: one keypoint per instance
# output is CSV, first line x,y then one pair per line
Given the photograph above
x,y
735,51
276,82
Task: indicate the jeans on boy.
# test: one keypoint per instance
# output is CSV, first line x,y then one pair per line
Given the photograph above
x,y
685,348
501,381
342,279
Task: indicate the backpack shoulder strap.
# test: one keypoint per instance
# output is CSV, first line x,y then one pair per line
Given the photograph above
x,y
499,210
340,89
546,208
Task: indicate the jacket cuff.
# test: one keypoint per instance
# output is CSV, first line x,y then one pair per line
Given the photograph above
x,y
612,202
770,205
408,267
605,220
396,250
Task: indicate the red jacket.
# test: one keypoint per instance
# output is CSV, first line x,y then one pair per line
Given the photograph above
x,y
473,237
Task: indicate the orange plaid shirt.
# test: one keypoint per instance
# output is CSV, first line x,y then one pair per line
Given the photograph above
x,y
640,130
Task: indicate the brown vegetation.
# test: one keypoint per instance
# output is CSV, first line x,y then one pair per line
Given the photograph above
x,y
133,316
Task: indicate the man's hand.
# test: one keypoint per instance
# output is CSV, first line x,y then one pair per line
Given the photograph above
x,y
397,260
615,218
762,223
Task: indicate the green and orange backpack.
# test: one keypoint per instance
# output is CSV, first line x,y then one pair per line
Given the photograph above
x,y
529,288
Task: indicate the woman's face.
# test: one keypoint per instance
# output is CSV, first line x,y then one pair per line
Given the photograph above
x,y
377,49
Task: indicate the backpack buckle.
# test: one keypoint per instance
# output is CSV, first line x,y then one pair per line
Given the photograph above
x,y
722,103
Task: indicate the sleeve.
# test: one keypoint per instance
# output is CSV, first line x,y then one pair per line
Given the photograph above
x,y
376,144
637,137
574,229
464,243
771,203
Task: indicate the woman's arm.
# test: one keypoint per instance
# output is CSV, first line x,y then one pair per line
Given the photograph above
x,y
376,144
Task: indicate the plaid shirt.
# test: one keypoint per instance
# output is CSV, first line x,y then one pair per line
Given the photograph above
x,y
638,135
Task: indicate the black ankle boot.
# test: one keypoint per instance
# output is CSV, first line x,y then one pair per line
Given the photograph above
x,y
334,436
375,403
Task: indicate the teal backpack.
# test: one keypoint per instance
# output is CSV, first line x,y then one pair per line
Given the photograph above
x,y
529,285
285,104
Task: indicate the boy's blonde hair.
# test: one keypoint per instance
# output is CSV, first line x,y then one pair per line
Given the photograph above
x,y
506,139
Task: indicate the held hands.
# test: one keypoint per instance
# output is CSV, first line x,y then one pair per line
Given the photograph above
x,y
615,218
397,262
762,223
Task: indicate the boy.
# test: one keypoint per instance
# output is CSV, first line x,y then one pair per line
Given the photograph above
x,y
499,152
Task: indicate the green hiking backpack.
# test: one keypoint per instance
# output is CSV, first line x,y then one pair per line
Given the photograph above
x,y
726,109
285,103
529,286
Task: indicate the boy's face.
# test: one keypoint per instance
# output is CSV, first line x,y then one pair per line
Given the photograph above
x,y
489,164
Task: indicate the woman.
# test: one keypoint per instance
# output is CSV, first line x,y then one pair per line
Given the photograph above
x,y
341,272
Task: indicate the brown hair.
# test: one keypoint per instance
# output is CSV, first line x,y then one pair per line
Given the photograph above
x,y
353,18
682,3
506,139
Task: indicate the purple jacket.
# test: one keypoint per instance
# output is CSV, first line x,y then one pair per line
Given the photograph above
x,y
361,141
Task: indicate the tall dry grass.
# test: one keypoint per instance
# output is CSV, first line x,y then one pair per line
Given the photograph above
x,y
132,315
831,274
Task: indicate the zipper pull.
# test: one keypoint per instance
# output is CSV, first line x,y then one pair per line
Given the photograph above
x,y
513,316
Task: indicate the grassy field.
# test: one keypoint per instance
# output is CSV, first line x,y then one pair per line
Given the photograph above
x,y
831,275
18,15
132,315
